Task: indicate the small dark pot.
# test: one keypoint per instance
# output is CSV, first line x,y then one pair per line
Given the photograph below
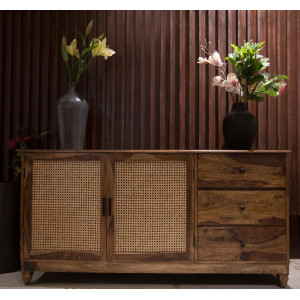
x,y
239,128
9,227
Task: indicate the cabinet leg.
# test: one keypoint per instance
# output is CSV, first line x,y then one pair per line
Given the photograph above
x,y
26,276
282,279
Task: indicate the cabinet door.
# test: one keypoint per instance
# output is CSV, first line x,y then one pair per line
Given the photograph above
x,y
62,206
150,207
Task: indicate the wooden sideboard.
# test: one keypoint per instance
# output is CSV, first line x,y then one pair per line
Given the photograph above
x,y
155,212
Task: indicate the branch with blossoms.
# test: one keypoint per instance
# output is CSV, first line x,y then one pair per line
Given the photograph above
x,y
247,81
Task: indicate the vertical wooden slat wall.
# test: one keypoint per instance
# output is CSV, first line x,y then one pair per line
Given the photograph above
x,y
152,94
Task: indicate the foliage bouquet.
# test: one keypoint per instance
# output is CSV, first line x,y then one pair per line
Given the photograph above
x,y
248,81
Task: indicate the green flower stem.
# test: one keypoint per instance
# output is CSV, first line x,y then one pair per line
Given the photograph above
x,y
85,68
72,70
69,73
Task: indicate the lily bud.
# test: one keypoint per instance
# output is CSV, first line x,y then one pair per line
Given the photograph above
x,y
89,27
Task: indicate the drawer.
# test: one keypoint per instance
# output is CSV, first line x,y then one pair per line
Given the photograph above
x,y
242,243
261,208
241,170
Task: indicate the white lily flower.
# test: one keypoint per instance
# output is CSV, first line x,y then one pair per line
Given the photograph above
x,y
215,59
202,60
217,81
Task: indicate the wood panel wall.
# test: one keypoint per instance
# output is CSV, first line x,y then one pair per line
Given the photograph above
x,y
152,94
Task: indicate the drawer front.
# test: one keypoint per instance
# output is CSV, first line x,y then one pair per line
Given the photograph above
x,y
241,170
242,244
264,208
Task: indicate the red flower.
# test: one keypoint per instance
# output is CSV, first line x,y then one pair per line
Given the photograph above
x,y
13,143
28,138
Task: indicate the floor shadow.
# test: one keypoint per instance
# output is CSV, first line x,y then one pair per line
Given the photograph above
x,y
138,280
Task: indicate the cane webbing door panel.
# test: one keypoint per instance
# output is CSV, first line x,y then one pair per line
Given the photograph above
x,y
151,206
66,208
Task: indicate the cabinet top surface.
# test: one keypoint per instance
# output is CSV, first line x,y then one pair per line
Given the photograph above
x,y
155,151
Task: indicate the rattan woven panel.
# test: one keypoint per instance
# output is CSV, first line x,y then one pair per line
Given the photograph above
x,y
150,207
66,205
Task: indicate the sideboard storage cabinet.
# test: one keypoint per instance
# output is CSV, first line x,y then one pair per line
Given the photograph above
x,y
155,212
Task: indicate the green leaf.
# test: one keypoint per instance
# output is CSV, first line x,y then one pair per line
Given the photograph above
x,y
264,62
230,59
281,77
256,78
17,170
235,48
86,50
64,52
83,39
89,27
23,145
44,133
260,89
260,45
16,174
271,93
257,98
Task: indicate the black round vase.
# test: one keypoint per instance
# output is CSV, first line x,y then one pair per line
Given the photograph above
x,y
239,128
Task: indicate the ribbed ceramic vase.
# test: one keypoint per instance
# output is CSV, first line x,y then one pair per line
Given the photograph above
x,y
72,112
239,128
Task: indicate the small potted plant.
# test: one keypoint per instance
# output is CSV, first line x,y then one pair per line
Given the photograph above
x,y
10,203
247,83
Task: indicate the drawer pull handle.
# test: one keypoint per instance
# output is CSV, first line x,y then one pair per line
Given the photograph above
x,y
242,207
243,244
242,170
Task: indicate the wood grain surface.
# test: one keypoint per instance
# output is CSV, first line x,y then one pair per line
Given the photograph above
x,y
167,267
224,243
258,208
241,171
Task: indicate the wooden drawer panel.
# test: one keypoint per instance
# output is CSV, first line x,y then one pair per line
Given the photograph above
x,y
241,170
261,244
217,208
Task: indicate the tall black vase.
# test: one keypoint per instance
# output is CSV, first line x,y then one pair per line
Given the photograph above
x,y
239,128
9,227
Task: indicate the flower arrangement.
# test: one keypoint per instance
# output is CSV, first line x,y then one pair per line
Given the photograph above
x,y
80,60
248,81
22,142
